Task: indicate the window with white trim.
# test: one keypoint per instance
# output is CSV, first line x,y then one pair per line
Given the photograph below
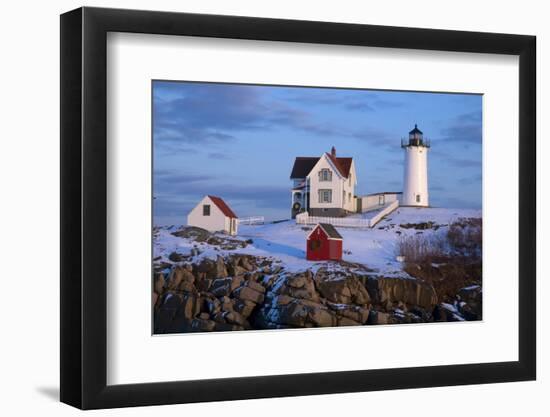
x,y
325,175
325,196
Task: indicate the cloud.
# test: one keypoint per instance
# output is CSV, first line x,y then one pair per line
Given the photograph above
x,y
474,179
202,113
466,128
219,155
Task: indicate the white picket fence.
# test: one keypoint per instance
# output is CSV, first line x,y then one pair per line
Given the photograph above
x,y
252,220
305,218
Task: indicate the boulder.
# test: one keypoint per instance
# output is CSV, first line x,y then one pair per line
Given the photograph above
x,y
247,293
203,325
179,274
159,283
411,291
224,286
344,290
345,321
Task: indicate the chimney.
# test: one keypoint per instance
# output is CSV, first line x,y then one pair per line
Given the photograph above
x,y
333,152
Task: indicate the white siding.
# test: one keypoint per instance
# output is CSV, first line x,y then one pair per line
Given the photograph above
x,y
315,185
415,181
371,202
216,222
349,188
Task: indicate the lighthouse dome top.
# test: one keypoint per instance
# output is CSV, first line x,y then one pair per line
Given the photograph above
x,y
416,138
415,131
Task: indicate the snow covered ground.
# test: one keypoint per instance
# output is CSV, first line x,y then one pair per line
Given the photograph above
x,y
286,241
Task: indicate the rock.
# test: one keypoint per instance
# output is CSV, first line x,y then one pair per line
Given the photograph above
x,y
203,325
344,321
411,291
204,316
159,283
224,286
189,307
176,257
244,307
234,318
355,313
249,294
179,274
298,281
155,298
204,284
255,286
225,327
378,317
307,291
245,263
212,305
221,271
346,290
321,317
195,233
186,286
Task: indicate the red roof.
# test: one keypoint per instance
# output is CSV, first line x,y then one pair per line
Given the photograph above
x,y
222,205
303,165
343,165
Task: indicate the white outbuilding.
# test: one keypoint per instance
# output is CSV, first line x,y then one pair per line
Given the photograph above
x,y
214,215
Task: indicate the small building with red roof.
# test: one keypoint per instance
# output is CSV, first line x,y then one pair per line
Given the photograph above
x,y
213,214
324,185
324,243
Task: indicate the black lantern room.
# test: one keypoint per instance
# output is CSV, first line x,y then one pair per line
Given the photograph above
x,y
416,138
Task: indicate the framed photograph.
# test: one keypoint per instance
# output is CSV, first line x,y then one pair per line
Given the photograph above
x,y
256,208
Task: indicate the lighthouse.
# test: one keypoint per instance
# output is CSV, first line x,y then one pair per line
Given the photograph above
x,y
415,178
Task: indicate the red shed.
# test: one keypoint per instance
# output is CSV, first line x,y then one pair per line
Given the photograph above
x,y
324,243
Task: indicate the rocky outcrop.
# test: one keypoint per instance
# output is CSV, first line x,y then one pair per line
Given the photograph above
x,y
242,292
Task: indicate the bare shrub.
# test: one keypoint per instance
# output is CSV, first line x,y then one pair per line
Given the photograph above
x,y
465,237
421,249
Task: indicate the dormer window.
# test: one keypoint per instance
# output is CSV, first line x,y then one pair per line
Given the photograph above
x,y
325,175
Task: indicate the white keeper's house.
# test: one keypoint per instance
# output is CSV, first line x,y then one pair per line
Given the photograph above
x,y
213,214
323,186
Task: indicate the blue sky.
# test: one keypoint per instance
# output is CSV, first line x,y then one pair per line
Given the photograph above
x,y
239,142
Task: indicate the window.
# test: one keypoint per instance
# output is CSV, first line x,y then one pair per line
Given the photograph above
x,y
314,244
381,199
418,198
325,175
206,210
325,196
349,197
343,197
349,180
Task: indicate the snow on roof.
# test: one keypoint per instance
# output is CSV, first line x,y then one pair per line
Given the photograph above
x,y
222,205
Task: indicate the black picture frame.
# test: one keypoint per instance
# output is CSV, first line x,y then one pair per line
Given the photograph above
x,y
84,207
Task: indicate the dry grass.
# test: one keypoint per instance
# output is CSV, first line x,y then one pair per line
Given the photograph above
x,y
421,249
449,261
465,237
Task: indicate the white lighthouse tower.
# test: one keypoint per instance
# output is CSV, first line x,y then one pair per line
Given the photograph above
x,y
415,178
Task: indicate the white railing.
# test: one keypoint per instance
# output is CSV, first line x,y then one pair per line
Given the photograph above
x,y
384,212
305,218
252,220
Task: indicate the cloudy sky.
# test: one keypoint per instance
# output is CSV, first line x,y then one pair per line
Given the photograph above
x,y
239,142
